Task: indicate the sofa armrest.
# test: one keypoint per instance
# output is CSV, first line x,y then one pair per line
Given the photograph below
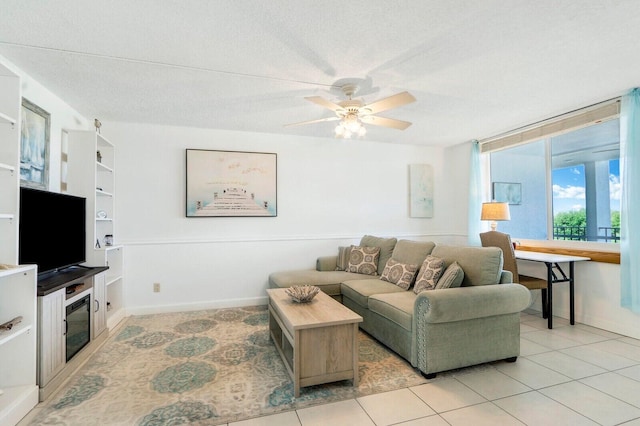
x,y
327,263
464,303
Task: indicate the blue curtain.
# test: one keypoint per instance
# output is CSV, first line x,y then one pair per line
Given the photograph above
x,y
630,202
475,196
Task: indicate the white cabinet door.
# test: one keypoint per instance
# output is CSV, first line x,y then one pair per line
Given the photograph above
x,y
51,335
99,305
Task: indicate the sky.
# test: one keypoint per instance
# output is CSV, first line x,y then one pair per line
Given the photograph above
x,y
569,191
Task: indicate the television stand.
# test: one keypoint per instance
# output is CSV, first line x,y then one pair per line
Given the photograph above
x,y
54,281
76,291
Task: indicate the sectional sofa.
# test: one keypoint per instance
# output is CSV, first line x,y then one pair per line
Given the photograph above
x,y
458,309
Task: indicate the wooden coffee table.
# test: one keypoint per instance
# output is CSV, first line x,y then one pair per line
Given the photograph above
x,y
318,341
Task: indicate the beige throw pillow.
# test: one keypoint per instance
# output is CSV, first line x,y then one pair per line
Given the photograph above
x,y
429,274
400,274
386,248
364,260
343,258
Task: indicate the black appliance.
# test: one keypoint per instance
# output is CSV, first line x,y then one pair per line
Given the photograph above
x,y
78,325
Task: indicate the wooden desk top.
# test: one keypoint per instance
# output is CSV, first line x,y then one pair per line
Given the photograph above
x,y
322,311
548,257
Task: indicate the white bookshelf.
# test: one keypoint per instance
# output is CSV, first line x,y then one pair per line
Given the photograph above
x,y
94,178
18,283
18,345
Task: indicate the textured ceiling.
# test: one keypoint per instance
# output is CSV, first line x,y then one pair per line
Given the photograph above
x,y
477,68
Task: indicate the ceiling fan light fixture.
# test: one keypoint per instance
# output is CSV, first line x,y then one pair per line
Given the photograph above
x,y
353,113
350,125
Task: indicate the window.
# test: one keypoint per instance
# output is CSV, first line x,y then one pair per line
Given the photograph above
x,y
569,180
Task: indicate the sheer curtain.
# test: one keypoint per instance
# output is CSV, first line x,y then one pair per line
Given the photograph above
x,y
630,200
475,196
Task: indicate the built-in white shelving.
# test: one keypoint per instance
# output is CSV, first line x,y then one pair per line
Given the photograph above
x,y
6,119
17,283
10,101
93,176
16,331
7,167
18,345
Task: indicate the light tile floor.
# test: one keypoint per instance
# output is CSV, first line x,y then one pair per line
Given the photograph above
x,y
571,375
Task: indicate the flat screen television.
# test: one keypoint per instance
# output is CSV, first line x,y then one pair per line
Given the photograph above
x,y
52,230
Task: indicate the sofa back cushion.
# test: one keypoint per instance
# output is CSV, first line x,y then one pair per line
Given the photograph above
x,y
386,248
481,265
412,252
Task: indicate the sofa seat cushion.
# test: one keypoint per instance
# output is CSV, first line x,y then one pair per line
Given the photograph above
x,y
360,290
328,281
396,307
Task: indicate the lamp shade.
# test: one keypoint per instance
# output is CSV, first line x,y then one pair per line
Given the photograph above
x,y
495,211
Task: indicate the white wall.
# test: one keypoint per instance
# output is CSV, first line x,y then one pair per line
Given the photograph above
x,y
330,192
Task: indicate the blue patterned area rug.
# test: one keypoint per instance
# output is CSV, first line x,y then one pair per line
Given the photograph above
x,y
205,367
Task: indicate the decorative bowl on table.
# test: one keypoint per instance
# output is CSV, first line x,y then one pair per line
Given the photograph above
x,y
302,293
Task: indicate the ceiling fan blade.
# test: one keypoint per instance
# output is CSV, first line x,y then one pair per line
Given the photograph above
x,y
385,122
324,103
390,102
320,120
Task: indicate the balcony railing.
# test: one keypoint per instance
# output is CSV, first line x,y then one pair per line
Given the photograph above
x,y
579,233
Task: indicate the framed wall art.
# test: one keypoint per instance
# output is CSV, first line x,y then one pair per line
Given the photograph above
x,y
231,184
507,192
420,190
34,146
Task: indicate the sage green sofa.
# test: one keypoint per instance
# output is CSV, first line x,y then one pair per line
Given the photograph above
x,y
435,330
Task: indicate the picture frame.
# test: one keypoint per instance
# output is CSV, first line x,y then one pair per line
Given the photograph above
x,y
231,183
420,190
507,192
34,145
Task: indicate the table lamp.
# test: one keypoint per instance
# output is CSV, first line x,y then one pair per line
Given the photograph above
x,y
495,211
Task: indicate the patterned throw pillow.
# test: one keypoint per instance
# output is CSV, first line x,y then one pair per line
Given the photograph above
x,y
343,258
429,274
400,274
364,260
452,277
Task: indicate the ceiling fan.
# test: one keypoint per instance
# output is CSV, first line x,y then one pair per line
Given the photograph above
x,y
352,113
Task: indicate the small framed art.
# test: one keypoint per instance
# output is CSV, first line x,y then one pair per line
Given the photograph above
x,y
420,190
507,192
34,146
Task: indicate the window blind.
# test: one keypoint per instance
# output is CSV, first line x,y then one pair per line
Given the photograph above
x,y
554,126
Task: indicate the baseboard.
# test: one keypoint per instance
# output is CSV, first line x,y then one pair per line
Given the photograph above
x,y
197,306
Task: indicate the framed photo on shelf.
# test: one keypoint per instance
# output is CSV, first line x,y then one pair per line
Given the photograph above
x,y
507,192
34,146
231,184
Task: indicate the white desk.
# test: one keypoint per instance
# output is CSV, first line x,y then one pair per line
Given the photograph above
x,y
555,275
